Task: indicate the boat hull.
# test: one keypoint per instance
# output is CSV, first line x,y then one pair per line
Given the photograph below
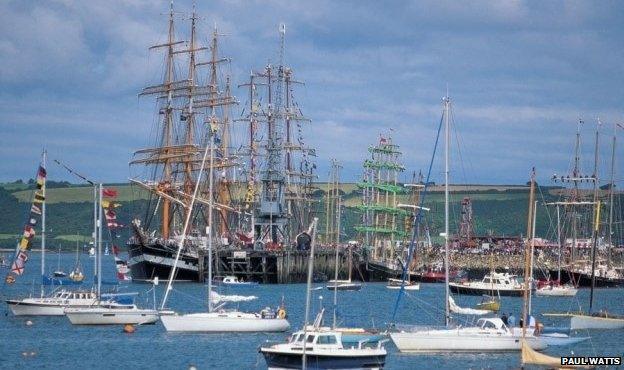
x,y
595,322
585,280
155,260
347,286
19,308
213,323
471,290
406,287
102,316
556,292
277,360
449,342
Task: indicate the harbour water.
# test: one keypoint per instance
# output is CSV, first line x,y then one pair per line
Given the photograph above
x,y
52,342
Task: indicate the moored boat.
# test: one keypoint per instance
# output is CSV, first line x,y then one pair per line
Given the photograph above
x,y
503,283
111,314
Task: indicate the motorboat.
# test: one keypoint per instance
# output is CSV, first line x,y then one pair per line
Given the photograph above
x,y
503,283
324,349
232,280
398,283
53,304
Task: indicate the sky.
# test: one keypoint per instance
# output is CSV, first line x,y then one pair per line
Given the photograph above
x,y
520,75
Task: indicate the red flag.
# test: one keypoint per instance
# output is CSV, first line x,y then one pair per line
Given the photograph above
x,y
111,193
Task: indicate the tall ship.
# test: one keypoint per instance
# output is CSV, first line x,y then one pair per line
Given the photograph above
x,y
577,212
262,168
384,224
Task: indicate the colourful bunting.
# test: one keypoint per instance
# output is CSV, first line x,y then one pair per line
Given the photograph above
x,y
35,209
111,193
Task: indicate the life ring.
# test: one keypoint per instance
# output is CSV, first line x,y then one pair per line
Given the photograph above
x,y
281,313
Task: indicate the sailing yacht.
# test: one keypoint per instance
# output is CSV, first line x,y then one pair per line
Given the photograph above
x,y
101,312
490,334
216,319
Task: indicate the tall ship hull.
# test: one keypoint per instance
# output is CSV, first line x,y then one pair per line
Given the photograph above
x,y
584,280
156,260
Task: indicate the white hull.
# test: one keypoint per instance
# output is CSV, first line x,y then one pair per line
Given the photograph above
x,y
448,342
595,322
223,322
556,291
111,316
407,287
36,310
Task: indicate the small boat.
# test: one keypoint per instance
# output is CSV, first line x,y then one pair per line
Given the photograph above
x,y
599,320
556,290
324,349
111,314
503,283
560,339
407,285
232,280
343,285
76,275
59,274
489,303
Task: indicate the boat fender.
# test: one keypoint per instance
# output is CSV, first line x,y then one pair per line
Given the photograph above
x,y
281,313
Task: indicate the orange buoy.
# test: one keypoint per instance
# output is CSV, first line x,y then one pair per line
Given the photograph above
x,y
129,328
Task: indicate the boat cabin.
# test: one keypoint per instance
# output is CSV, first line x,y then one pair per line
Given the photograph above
x,y
492,323
501,279
317,339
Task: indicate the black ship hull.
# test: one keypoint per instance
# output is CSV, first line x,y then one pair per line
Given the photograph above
x,y
153,260
584,280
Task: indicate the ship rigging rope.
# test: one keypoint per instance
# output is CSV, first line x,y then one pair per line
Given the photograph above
x,y
416,222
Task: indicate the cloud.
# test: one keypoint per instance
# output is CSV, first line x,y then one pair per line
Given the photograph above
x,y
520,75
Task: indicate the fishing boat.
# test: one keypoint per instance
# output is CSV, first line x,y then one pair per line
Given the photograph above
x,y
489,334
504,283
321,348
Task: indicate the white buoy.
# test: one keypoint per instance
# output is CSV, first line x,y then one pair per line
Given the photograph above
x,y
29,323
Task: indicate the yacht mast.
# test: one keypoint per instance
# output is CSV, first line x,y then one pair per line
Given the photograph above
x,y
43,225
308,289
210,227
527,257
611,190
447,135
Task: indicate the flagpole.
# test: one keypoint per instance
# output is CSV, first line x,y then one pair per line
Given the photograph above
x,y
43,224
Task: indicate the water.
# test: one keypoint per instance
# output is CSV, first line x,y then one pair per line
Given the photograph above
x,y
55,343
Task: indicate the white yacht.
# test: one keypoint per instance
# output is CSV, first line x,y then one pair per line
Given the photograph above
x,y
503,283
111,314
555,290
53,304
217,321
489,335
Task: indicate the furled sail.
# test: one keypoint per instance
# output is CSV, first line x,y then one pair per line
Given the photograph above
x,y
465,311
218,298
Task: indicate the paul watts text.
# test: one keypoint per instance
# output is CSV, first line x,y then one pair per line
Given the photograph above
x,y
591,360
